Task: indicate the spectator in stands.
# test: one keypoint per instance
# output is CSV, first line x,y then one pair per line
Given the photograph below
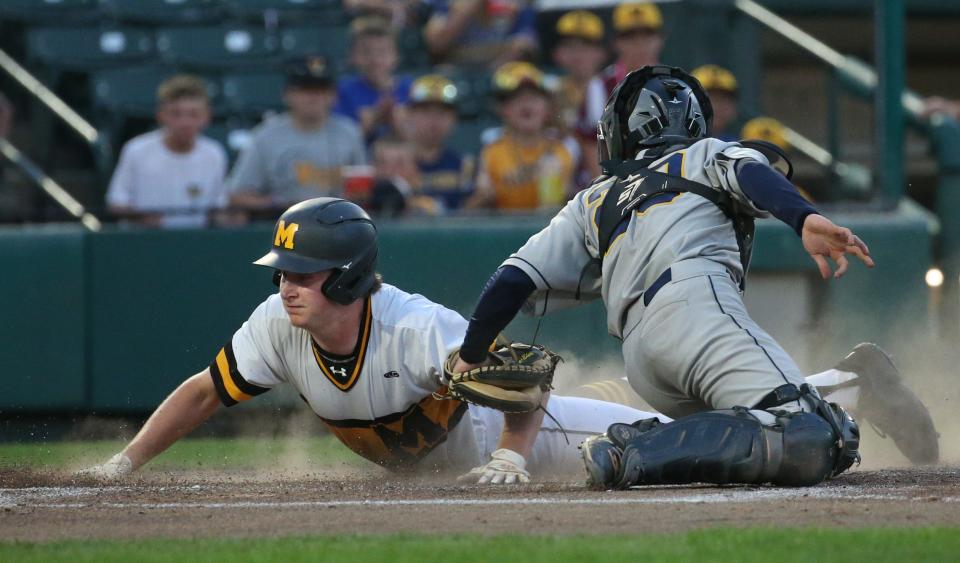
x,y
525,168
721,86
638,40
397,179
481,32
445,174
399,13
173,176
297,155
374,98
580,52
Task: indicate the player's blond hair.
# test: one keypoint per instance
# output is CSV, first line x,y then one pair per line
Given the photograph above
x,y
182,86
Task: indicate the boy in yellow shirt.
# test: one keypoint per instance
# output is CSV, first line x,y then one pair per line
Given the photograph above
x,y
527,168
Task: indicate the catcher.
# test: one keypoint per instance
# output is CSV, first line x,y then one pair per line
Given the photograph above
x,y
369,360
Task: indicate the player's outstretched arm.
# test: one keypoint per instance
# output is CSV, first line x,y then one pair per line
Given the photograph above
x,y
193,402
508,463
822,239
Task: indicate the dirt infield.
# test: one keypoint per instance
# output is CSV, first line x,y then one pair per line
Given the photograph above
x,y
43,508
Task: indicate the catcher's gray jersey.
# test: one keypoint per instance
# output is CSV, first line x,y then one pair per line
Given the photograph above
x,y
694,346
666,229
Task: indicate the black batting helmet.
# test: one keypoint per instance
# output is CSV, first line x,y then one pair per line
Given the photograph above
x,y
653,107
327,233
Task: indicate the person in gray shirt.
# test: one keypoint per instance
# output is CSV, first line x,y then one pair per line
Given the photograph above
x,y
297,155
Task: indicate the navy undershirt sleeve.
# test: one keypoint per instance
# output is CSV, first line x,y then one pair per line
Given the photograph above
x,y
501,300
772,192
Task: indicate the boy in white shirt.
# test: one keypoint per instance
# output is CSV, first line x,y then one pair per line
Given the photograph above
x,y
172,177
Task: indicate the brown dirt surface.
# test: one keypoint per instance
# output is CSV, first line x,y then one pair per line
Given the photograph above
x,y
45,507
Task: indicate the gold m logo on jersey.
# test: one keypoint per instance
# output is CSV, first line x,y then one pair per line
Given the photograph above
x,y
285,235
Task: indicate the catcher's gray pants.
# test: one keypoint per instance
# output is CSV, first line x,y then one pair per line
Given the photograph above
x,y
696,348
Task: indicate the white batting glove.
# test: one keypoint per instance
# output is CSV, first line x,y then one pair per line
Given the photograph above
x,y
116,467
506,467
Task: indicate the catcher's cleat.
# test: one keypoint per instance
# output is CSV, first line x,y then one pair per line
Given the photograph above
x,y
602,460
889,405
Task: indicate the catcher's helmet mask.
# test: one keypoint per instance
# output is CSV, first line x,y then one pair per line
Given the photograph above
x,y
331,234
654,107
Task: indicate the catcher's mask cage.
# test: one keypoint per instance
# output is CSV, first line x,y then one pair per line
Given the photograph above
x,y
653,107
327,233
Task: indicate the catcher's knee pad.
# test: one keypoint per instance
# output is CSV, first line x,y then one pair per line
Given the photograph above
x,y
733,446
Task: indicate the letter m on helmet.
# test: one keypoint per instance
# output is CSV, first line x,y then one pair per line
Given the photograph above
x,y
285,234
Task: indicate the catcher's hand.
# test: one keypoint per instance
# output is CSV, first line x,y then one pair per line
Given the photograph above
x,y
116,467
505,467
513,378
823,239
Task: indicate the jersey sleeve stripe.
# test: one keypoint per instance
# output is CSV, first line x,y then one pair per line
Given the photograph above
x,y
242,384
217,377
231,387
227,377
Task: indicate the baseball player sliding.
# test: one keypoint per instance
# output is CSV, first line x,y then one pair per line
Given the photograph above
x,y
368,358
665,240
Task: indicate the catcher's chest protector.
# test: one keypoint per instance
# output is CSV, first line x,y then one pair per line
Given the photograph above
x,y
636,183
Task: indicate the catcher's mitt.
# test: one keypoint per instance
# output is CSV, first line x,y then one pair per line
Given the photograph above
x,y
514,378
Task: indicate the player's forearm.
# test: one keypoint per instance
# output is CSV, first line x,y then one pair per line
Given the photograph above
x,y
501,300
520,430
770,191
185,409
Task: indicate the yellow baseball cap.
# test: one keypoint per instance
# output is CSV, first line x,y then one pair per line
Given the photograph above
x,y
511,76
713,77
632,16
433,88
581,24
766,129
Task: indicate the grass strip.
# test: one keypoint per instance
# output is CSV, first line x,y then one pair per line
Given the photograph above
x,y
727,544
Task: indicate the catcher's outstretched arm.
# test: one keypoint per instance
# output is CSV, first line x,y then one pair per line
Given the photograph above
x,y
770,191
501,300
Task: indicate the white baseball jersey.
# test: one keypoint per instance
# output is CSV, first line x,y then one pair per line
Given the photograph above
x,y
183,187
385,409
666,229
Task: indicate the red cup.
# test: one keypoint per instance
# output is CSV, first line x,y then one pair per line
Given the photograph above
x,y
358,183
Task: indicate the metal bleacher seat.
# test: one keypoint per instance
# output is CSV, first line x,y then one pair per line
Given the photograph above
x,y
233,133
128,91
49,11
288,11
466,137
252,93
331,41
83,49
164,12
412,48
473,89
215,48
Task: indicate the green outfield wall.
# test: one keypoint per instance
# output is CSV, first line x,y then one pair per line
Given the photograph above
x,y
111,322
